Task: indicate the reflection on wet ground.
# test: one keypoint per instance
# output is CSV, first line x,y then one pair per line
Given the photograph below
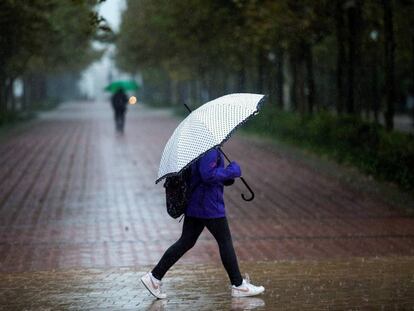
x,y
355,284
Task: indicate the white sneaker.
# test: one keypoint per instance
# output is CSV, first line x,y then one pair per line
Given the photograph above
x,y
246,289
153,285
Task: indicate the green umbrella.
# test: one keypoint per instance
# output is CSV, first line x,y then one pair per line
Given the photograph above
x,y
126,85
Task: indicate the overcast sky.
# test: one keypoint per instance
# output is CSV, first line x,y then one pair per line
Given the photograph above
x,y
95,77
111,11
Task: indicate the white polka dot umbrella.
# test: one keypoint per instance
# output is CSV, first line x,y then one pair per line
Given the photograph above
x,y
207,127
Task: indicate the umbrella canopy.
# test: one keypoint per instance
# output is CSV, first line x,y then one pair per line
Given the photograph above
x,y
207,127
126,85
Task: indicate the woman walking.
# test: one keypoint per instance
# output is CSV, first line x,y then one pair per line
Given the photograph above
x,y
205,209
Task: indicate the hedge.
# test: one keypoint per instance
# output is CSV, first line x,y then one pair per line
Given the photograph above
x,y
385,155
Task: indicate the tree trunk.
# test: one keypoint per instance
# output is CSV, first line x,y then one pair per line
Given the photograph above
x,y
298,73
293,90
38,88
352,55
3,104
260,71
375,98
310,78
169,91
24,95
340,58
174,92
242,79
359,62
10,95
301,96
209,86
223,82
241,75
192,92
7,94
389,47
280,78
412,64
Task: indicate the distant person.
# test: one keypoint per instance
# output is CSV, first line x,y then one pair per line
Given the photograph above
x,y
119,103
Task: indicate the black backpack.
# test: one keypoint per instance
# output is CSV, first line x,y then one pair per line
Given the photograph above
x,y
177,192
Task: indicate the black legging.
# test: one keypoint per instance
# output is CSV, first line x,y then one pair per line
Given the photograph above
x,y
192,229
120,119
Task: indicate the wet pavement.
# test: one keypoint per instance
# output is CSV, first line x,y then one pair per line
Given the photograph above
x,y
354,284
78,205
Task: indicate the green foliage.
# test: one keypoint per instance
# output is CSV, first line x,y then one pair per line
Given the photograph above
x,y
11,117
41,37
47,34
45,105
322,50
183,37
191,37
385,155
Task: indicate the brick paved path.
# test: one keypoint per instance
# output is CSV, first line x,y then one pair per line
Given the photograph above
x,y
75,194
352,284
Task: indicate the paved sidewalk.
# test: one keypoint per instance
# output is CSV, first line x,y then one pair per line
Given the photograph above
x,y
355,284
75,195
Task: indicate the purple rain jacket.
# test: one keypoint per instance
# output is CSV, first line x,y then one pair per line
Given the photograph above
x,y
207,177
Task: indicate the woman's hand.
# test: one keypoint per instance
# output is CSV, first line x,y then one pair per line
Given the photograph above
x,y
234,168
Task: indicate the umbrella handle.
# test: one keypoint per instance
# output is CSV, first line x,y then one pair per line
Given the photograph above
x,y
244,182
250,190
241,178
